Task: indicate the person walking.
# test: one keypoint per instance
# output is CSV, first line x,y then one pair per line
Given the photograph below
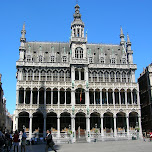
x,y
49,141
23,142
2,140
16,140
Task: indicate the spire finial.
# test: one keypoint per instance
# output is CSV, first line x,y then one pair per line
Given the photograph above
x,y
121,31
23,32
128,39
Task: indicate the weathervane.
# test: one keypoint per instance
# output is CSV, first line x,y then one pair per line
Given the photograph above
x,y
77,1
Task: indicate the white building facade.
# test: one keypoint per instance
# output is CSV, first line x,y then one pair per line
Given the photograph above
x,y
77,89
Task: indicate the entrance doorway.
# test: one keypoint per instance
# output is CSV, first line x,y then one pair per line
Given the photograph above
x,y
80,124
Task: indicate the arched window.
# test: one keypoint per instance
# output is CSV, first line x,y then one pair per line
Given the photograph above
x,y
123,77
128,76
36,75
55,75
106,76
61,75
68,75
49,76
43,76
24,75
30,75
100,76
112,76
118,77
94,76
78,53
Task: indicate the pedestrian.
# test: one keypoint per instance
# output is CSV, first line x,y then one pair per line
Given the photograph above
x,y
16,140
23,142
7,140
49,141
2,140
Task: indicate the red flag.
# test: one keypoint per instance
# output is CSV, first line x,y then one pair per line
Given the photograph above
x,y
81,96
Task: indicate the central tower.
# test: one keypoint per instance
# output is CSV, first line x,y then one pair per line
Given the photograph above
x,y
78,40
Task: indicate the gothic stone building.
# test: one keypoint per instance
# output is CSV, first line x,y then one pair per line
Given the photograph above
x,y
76,87
145,88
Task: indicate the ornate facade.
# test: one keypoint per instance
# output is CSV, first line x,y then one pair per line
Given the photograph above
x,y
79,88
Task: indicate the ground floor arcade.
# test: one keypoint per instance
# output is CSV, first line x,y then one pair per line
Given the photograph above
x,y
78,125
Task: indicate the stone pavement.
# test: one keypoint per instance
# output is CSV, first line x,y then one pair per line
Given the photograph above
x,y
106,146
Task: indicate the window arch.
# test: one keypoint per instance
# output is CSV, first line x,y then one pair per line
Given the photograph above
x,y
61,75
79,53
42,75
118,76
36,75
49,76
112,76
123,77
30,75
106,76
100,76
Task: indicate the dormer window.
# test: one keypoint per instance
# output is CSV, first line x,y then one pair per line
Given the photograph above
x,y
113,61
102,60
64,59
90,60
52,59
28,58
40,58
123,61
78,53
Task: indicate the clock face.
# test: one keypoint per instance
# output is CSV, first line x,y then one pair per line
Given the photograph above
x,y
79,53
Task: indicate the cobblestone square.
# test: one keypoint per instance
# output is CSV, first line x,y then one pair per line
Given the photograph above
x,y
108,146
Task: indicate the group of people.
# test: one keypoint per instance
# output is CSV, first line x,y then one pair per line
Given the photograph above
x,y
6,140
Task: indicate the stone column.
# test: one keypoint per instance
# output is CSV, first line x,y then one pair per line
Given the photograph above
x,y
113,95
58,126
73,128
16,122
65,98
51,97
126,99
107,97
73,97
120,98
140,128
115,126
102,131
44,127
127,120
44,97
87,97
38,97
30,127
17,96
88,128
132,99
101,98
58,98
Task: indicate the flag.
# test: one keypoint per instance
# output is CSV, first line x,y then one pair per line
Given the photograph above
x,y
81,96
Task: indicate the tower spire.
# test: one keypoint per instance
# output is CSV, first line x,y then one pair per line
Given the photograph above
x,y
23,32
122,42
22,45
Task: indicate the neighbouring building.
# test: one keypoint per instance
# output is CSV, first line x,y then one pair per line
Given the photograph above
x,y
85,89
145,89
5,117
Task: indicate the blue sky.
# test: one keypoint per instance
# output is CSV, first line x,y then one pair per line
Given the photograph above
x,y
50,20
